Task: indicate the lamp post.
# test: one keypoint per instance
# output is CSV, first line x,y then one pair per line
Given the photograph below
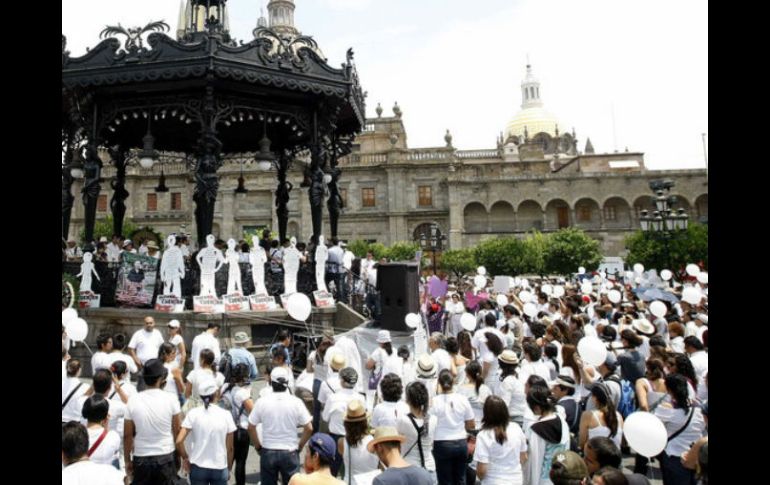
x,y
433,242
664,223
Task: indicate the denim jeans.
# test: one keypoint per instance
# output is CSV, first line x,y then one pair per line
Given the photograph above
x,y
316,405
273,462
451,459
338,461
154,470
674,473
207,476
241,445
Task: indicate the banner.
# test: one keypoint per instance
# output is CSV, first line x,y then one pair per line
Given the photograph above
x,y
323,299
89,299
236,303
136,280
262,303
208,304
169,304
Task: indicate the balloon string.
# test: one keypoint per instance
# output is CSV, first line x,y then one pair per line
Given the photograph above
x,y
89,348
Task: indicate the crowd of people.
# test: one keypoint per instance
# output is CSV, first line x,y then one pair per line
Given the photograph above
x,y
508,400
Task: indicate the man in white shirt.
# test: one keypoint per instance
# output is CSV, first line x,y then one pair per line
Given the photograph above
x,y
440,356
72,389
74,253
143,248
101,359
113,249
206,340
698,356
144,345
336,405
280,414
153,420
128,246
78,469
532,365
335,271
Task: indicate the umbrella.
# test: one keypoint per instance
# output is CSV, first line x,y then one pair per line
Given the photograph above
x,y
650,294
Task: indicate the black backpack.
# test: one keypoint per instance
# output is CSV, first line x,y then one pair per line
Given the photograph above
x,y
226,365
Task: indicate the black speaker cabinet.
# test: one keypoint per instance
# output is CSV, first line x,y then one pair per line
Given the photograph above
x,y
399,287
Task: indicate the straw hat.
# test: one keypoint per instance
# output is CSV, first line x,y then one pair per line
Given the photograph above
x,y
508,357
426,367
338,362
643,327
355,412
384,434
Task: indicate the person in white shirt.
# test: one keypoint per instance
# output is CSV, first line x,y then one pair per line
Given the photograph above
x,y
442,358
206,340
238,393
101,359
103,443
74,253
335,407
175,339
419,429
352,446
280,414
676,331
119,342
511,389
698,356
113,249
153,419
197,377
128,247
501,446
211,429
108,387
144,345
388,411
78,468
72,389
532,365
454,419
332,383
142,251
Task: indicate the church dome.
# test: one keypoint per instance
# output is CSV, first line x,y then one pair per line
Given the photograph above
x,y
536,119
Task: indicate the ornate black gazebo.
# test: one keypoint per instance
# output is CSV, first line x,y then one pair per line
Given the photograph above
x,y
207,97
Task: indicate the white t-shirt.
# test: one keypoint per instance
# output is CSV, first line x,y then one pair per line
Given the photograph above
x,y
100,360
74,408
700,363
477,401
280,414
335,408
108,450
152,413
210,427
502,460
90,473
387,413
406,428
117,413
329,387
146,344
239,395
443,360
511,391
175,341
677,345
130,364
170,381
493,375
379,356
199,376
452,411
674,420
204,341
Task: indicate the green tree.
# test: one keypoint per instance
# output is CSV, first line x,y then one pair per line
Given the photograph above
x,y
359,247
569,249
103,228
536,243
458,261
652,253
504,256
402,251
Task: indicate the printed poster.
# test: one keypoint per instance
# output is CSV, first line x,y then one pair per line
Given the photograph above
x,y
136,280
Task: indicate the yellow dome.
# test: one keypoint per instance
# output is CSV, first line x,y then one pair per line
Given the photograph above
x,y
535,119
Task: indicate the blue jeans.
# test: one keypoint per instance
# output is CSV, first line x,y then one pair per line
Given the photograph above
x,y
451,459
207,476
674,473
316,406
273,462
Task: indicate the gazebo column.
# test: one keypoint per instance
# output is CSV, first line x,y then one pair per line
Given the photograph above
x,y
67,199
282,196
90,191
206,184
118,184
316,192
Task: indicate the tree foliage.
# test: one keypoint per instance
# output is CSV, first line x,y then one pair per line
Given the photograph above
x,y
570,248
359,247
459,261
652,253
504,256
104,227
402,251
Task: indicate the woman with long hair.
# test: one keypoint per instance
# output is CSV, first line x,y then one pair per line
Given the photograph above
x,y
318,365
511,389
454,419
464,341
490,366
175,339
238,393
548,435
206,372
651,389
460,361
352,447
501,446
418,428
211,431
681,364
604,420
475,390
174,385
550,353
684,425
572,369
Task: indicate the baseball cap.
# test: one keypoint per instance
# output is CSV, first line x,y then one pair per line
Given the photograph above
x,y
173,324
349,375
568,465
279,375
208,387
323,444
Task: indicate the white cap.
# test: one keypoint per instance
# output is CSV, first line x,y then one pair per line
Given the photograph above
x,y
127,242
208,387
383,337
703,318
279,374
173,324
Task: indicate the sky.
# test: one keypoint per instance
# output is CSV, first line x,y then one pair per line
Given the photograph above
x,y
458,64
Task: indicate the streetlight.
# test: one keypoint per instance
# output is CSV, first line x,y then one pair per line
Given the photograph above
x,y
433,242
665,223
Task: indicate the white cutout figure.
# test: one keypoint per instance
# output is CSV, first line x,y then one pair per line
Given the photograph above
x,y
85,271
172,268
258,258
290,267
234,272
321,255
210,260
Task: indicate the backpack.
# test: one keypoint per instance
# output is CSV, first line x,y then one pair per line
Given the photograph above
x,y
226,403
226,365
627,401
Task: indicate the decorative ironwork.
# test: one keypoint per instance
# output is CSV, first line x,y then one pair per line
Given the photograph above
x,y
90,191
119,158
133,35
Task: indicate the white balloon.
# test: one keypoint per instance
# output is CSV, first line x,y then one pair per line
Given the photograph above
x,y
703,278
502,300
468,322
525,296
592,351
581,270
586,287
629,275
530,309
547,289
693,270
299,306
645,433
480,281
638,268
658,308
481,270
412,320
692,295
68,315
77,329
558,291
614,296
666,274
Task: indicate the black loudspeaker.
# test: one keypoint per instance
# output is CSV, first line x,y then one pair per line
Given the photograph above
x,y
399,287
